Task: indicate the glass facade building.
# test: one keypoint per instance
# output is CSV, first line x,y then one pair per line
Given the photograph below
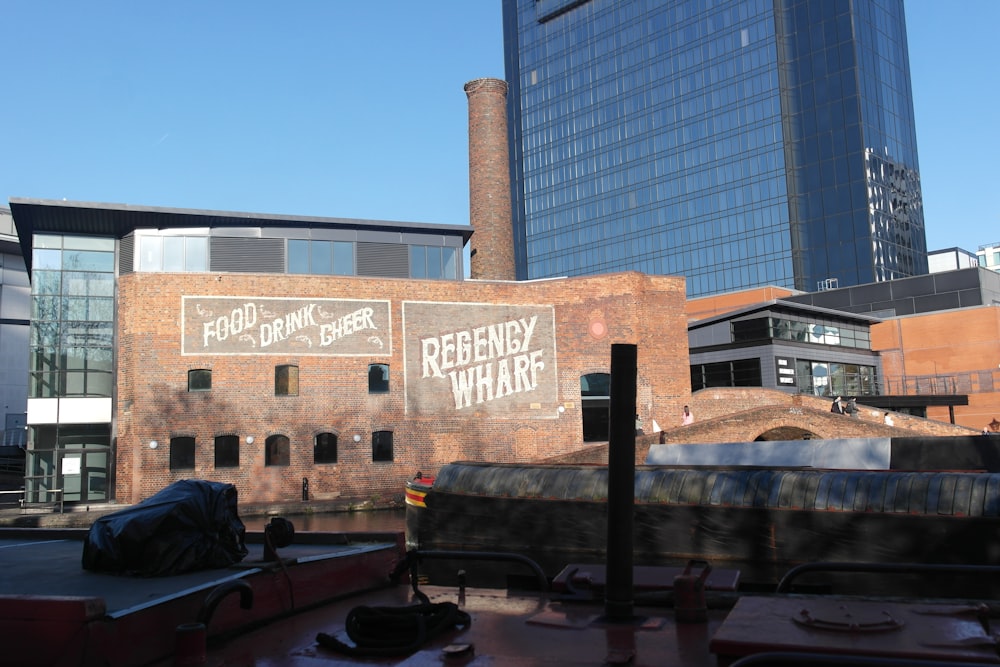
x,y
739,144
75,254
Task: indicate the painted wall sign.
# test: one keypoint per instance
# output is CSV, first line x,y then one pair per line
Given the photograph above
x,y
271,325
473,357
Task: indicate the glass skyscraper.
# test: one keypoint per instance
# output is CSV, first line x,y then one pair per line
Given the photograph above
x,y
739,144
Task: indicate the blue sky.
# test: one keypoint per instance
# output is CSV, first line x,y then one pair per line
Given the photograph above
x,y
356,109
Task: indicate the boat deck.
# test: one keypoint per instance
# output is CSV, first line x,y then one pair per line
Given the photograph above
x,y
510,629
51,567
527,630
53,612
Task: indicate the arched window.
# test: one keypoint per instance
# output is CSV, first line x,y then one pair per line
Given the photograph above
x,y
325,448
595,403
276,450
378,378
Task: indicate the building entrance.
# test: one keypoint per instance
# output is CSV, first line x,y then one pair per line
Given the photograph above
x,y
68,463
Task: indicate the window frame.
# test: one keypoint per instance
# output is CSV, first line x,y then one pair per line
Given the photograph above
x,y
376,386
193,374
325,447
183,448
277,451
382,447
286,382
227,451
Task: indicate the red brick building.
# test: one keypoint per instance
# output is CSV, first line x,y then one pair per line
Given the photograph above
x,y
476,370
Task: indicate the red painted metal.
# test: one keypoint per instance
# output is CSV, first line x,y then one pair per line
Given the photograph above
x,y
849,626
140,627
689,593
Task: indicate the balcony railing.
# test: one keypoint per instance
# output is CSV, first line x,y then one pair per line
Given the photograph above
x,y
969,382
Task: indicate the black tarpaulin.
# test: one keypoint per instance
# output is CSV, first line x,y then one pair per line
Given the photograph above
x,y
190,525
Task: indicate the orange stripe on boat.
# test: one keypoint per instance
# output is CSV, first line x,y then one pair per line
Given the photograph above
x,y
415,498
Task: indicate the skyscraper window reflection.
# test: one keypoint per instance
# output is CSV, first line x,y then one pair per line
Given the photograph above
x,y
737,144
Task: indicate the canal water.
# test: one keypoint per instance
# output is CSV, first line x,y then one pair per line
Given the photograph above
x,y
366,521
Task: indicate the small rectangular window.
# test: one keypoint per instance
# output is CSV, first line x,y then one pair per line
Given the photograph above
x,y
298,256
418,261
182,453
434,262
320,258
173,254
195,253
343,258
200,379
286,380
227,451
449,268
150,253
382,446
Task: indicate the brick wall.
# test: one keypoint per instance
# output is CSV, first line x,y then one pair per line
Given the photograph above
x,y
940,344
720,304
727,414
588,315
492,244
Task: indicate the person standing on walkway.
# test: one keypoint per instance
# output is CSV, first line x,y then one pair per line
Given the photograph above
x,y
686,417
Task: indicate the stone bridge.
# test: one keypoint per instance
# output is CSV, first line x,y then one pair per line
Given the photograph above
x,y
746,414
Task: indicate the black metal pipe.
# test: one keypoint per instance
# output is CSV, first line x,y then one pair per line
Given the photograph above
x,y
618,595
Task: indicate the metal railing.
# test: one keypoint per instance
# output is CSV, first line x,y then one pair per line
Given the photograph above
x,y
968,382
58,501
19,501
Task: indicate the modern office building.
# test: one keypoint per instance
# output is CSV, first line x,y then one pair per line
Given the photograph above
x,y
739,144
988,256
925,345
15,311
792,347
950,259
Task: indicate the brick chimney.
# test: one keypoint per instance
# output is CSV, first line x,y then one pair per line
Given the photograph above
x,y
492,244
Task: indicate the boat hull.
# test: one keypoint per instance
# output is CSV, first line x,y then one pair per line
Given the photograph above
x,y
759,521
